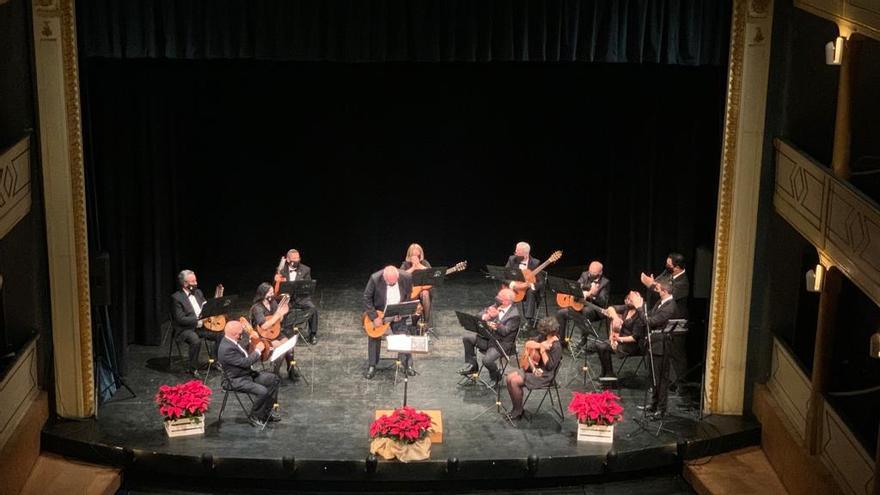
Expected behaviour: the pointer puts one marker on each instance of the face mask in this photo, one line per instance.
(294, 264)
(499, 301)
(193, 287)
(519, 259)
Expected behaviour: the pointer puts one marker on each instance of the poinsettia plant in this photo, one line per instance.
(184, 400)
(597, 408)
(405, 424)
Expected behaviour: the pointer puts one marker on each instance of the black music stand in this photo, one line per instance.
(215, 307)
(297, 289)
(404, 309)
(433, 276)
(476, 324)
(665, 334)
(505, 274)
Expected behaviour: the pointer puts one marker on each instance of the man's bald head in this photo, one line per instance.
(390, 274)
(595, 269)
(233, 329)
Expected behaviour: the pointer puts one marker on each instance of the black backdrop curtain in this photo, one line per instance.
(220, 166)
(686, 32)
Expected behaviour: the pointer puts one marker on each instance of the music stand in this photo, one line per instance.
(298, 288)
(476, 324)
(433, 276)
(215, 306)
(505, 274)
(410, 344)
(404, 309)
(664, 333)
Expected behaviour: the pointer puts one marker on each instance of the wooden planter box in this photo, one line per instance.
(595, 433)
(185, 426)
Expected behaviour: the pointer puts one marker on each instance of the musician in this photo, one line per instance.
(415, 260)
(674, 273)
(292, 269)
(387, 286)
(504, 320)
(540, 372)
(626, 337)
(522, 259)
(236, 363)
(597, 289)
(264, 314)
(655, 320)
(186, 306)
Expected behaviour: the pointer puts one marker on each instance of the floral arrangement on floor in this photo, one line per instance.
(185, 400)
(598, 408)
(402, 435)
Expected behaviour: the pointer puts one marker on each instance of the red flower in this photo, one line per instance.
(183, 400)
(404, 424)
(599, 408)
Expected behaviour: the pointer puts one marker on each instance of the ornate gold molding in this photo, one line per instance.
(725, 197)
(77, 186)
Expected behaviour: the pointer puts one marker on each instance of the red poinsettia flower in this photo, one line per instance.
(599, 408)
(183, 400)
(404, 424)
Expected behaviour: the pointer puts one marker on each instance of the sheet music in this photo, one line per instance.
(284, 348)
(407, 343)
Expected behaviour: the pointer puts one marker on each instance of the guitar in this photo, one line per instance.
(218, 322)
(372, 330)
(460, 266)
(278, 277)
(255, 338)
(532, 276)
(575, 303)
(531, 354)
(274, 331)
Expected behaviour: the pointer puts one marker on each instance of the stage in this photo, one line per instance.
(323, 437)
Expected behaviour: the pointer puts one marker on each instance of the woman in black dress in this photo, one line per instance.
(415, 260)
(539, 372)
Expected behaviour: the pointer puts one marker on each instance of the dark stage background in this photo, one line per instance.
(220, 166)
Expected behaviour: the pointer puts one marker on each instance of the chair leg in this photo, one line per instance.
(223, 405)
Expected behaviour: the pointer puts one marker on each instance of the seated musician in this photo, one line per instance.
(236, 363)
(522, 259)
(387, 286)
(626, 336)
(290, 270)
(596, 289)
(415, 260)
(543, 356)
(264, 314)
(186, 306)
(504, 320)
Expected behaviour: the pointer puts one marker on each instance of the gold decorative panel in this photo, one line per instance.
(15, 185)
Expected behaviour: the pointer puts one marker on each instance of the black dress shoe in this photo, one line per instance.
(410, 371)
(274, 418)
(515, 415)
(467, 369)
(313, 339)
(256, 423)
(371, 372)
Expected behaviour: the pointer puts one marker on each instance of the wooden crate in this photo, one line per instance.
(185, 426)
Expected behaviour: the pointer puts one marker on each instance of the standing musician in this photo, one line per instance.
(415, 260)
(663, 311)
(504, 320)
(541, 357)
(387, 286)
(597, 289)
(264, 314)
(236, 363)
(522, 259)
(289, 270)
(674, 273)
(186, 306)
(626, 336)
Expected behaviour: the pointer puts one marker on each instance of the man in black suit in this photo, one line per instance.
(186, 306)
(236, 364)
(291, 269)
(674, 273)
(627, 336)
(387, 286)
(597, 289)
(504, 319)
(522, 259)
(655, 320)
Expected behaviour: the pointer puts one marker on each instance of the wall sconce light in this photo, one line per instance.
(875, 345)
(816, 279)
(834, 51)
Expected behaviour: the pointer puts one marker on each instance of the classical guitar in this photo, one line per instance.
(278, 276)
(372, 330)
(254, 338)
(532, 276)
(274, 331)
(460, 266)
(216, 323)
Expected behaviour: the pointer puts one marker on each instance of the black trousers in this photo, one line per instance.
(623, 348)
(374, 346)
(580, 319)
(678, 356)
(530, 304)
(193, 338)
(491, 354)
(265, 387)
(311, 311)
(661, 346)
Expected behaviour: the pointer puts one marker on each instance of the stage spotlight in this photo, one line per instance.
(815, 279)
(834, 51)
(875, 345)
